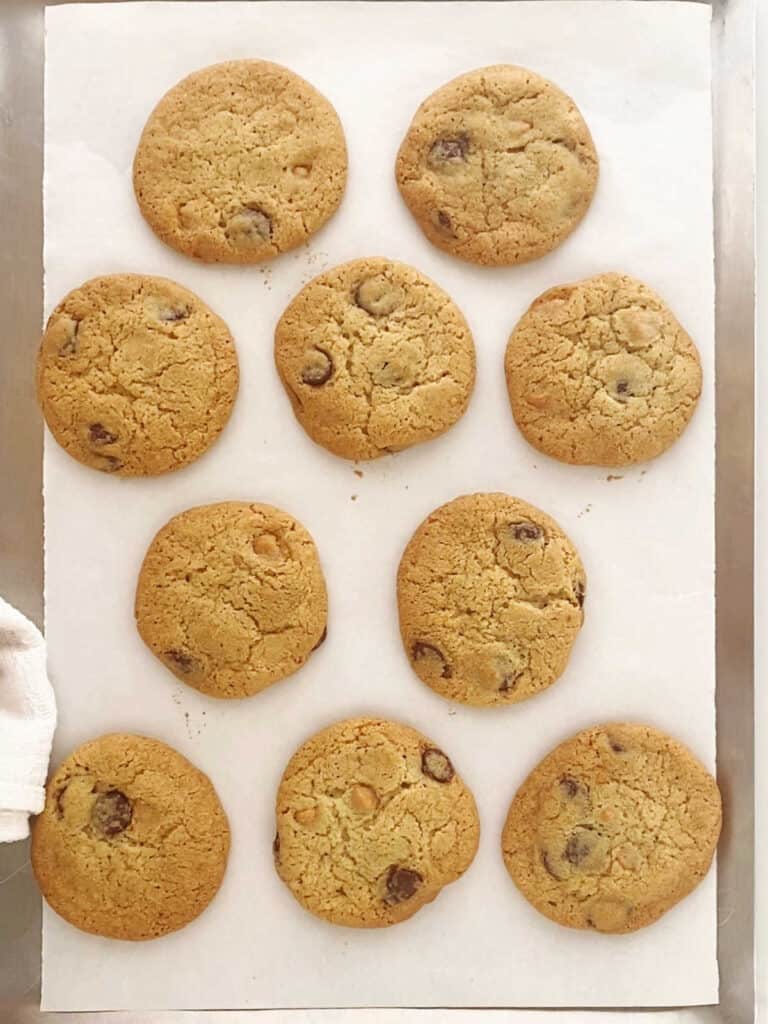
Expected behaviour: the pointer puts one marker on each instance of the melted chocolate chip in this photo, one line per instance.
(378, 296)
(111, 813)
(318, 369)
(581, 592)
(422, 651)
(109, 464)
(276, 846)
(250, 225)
(448, 151)
(570, 788)
(526, 531)
(548, 865)
(70, 346)
(402, 884)
(509, 681)
(436, 765)
(99, 434)
(171, 314)
(443, 223)
(182, 661)
(580, 844)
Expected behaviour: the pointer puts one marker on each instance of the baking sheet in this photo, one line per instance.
(640, 73)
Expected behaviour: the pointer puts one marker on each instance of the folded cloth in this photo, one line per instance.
(27, 722)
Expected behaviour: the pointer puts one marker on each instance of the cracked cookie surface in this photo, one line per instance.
(239, 162)
(490, 593)
(497, 166)
(135, 375)
(372, 822)
(601, 373)
(374, 357)
(614, 827)
(132, 842)
(231, 597)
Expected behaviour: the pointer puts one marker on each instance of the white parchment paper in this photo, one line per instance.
(640, 74)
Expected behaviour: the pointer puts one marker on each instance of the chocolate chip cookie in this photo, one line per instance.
(601, 373)
(498, 166)
(373, 821)
(614, 827)
(239, 162)
(491, 598)
(374, 357)
(132, 842)
(135, 375)
(231, 597)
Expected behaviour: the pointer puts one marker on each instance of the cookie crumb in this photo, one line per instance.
(358, 472)
(614, 476)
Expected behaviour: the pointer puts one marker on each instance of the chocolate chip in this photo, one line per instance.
(422, 651)
(581, 592)
(616, 747)
(580, 844)
(70, 346)
(402, 884)
(622, 390)
(378, 296)
(108, 464)
(171, 314)
(111, 813)
(322, 639)
(276, 847)
(547, 863)
(99, 434)
(448, 151)
(436, 765)
(249, 226)
(509, 681)
(526, 531)
(318, 369)
(570, 788)
(182, 661)
(443, 223)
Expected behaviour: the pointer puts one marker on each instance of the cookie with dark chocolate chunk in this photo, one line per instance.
(372, 822)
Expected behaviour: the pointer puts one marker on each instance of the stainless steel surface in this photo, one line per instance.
(21, 56)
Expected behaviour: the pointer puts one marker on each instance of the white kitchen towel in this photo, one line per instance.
(27, 722)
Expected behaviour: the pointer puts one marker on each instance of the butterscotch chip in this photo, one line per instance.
(231, 597)
(490, 593)
(132, 842)
(136, 376)
(497, 166)
(614, 827)
(374, 358)
(239, 162)
(366, 835)
(601, 373)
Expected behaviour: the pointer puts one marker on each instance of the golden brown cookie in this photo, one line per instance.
(372, 822)
(490, 593)
(239, 162)
(135, 375)
(132, 842)
(231, 597)
(374, 357)
(614, 827)
(601, 373)
(498, 166)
